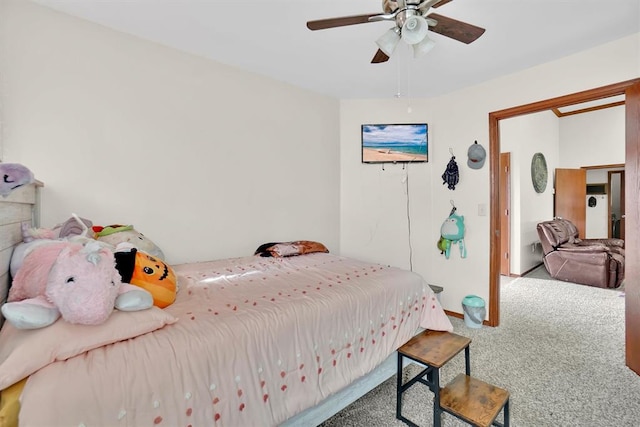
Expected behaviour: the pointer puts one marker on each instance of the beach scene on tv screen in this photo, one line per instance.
(394, 143)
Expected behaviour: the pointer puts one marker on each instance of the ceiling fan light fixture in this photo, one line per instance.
(414, 29)
(422, 48)
(389, 40)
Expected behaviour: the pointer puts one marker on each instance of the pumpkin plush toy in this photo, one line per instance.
(148, 272)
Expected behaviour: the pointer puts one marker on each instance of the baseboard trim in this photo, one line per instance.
(531, 269)
(461, 316)
(514, 276)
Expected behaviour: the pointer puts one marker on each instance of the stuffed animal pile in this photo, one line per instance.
(66, 272)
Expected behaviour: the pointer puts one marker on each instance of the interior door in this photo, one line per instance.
(570, 198)
(616, 204)
(505, 214)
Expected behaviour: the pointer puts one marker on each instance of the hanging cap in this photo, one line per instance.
(476, 155)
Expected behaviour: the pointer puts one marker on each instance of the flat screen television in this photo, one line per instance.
(395, 143)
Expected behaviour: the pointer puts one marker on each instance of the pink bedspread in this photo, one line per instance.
(257, 341)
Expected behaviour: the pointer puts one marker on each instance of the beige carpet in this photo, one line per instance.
(559, 351)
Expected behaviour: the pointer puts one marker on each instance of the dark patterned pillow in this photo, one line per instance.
(285, 249)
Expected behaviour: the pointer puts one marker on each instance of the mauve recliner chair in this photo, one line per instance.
(596, 262)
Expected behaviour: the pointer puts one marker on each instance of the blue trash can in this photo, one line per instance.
(474, 311)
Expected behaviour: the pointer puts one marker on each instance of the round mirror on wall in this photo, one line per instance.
(539, 172)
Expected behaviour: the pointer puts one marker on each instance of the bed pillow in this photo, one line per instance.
(285, 249)
(23, 351)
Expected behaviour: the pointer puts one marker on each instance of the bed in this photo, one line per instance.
(249, 341)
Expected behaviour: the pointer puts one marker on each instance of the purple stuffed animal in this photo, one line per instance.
(13, 176)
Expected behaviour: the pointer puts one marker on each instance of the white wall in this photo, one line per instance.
(373, 220)
(524, 136)
(234, 159)
(206, 160)
(593, 138)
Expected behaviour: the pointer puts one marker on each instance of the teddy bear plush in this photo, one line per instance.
(78, 282)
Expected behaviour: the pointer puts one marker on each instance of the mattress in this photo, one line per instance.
(255, 342)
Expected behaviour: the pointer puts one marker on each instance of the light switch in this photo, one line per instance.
(482, 209)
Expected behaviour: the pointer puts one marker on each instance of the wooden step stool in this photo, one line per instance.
(475, 401)
(475, 404)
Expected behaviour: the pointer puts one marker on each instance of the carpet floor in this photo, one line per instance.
(559, 351)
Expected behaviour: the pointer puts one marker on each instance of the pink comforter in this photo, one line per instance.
(257, 341)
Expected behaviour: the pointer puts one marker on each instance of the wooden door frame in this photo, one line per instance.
(631, 90)
(505, 227)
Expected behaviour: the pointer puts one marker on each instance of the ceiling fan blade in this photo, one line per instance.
(441, 3)
(322, 24)
(379, 57)
(457, 30)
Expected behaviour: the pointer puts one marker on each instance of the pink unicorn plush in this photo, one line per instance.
(76, 281)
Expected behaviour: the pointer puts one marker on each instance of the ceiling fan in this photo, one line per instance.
(412, 23)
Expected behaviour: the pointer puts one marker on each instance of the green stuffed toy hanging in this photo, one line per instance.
(452, 232)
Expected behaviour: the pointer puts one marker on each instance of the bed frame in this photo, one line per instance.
(329, 407)
(23, 205)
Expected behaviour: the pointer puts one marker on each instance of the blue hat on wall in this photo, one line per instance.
(476, 156)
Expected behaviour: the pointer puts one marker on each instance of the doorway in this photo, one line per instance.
(616, 204)
(631, 90)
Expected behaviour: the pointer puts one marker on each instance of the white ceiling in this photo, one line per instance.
(269, 37)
